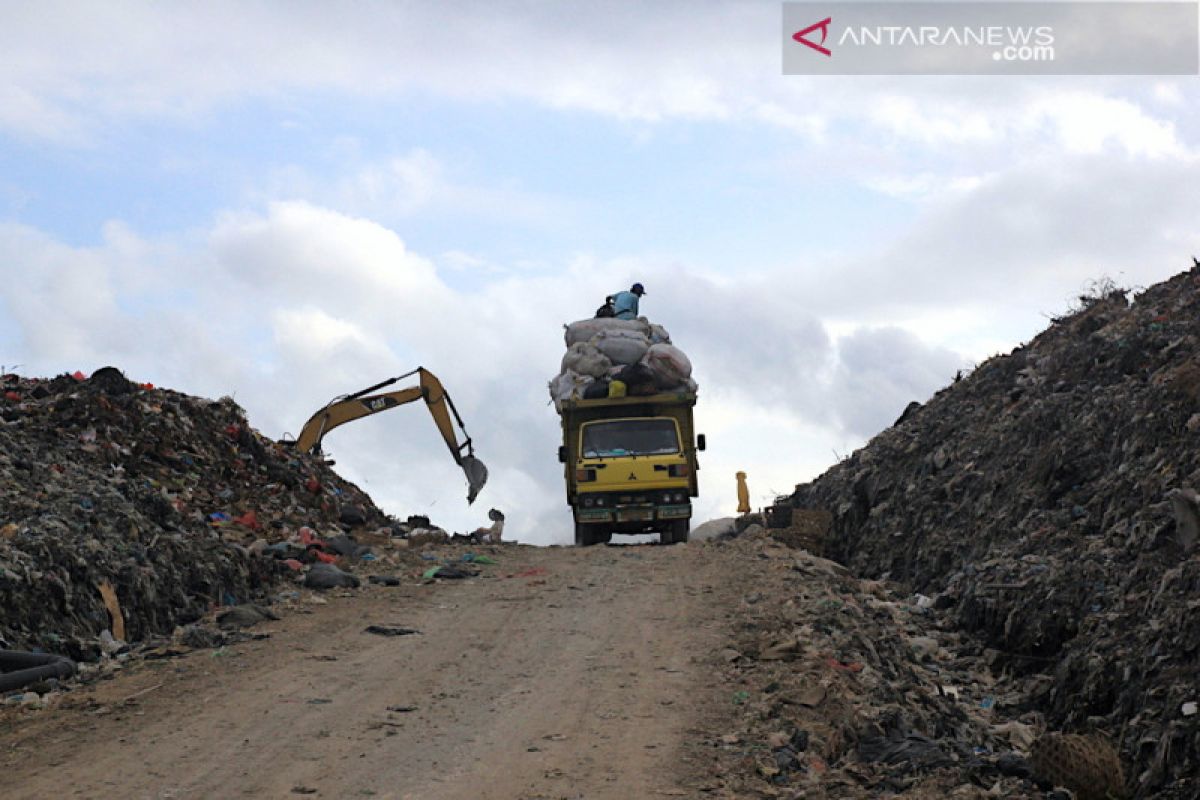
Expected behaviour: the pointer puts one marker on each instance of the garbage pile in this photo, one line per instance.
(843, 688)
(1048, 503)
(610, 357)
(127, 510)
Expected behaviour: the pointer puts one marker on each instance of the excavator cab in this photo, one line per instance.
(365, 402)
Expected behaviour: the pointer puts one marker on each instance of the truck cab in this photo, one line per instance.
(630, 466)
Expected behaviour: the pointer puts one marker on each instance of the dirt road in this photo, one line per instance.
(562, 673)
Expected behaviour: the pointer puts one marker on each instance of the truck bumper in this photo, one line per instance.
(633, 514)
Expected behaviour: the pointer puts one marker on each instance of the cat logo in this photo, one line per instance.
(631, 477)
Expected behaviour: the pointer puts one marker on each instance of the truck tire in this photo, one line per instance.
(588, 535)
(679, 531)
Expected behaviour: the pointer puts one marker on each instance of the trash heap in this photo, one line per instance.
(126, 510)
(843, 688)
(1048, 503)
(609, 357)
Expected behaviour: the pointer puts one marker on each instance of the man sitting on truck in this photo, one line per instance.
(626, 303)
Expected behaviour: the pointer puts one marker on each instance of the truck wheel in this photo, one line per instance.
(588, 535)
(679, 530)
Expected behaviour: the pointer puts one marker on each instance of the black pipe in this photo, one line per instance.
(18, 669)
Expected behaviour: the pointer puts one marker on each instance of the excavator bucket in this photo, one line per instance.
(477, 475)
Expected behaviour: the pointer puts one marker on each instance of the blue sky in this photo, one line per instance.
(587, 183)
(284, 202)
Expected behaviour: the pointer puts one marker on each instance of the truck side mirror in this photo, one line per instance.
(700, 442)
(562, 454)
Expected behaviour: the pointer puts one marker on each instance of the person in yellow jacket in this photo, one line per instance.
(743, 493)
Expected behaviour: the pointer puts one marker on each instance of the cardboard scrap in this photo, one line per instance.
(114, 609)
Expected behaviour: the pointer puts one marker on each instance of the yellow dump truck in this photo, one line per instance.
(630, 465)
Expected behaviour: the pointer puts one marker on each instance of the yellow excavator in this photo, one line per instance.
(350, 407)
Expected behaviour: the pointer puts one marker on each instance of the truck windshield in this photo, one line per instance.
(630, 437)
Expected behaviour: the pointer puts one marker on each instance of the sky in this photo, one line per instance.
(285, 202)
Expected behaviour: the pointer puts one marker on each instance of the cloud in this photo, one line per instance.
(1090, 124)
(399, 187)
(993, 261)
(634, 62)
(403, 184)
(67, 296)
(882, 370)
(301, 253)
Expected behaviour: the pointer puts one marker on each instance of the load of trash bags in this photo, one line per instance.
(609, 357)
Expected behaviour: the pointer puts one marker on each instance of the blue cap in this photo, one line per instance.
(638, 289)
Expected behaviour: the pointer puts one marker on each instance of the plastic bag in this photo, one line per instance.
(622, 347)
(585, 359)
(568, 386)
(596, 390)
(671, 366)
(587, 329)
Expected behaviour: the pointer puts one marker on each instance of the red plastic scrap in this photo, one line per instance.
(249, 520)
(79, 376)
(233, 430)
(293, 564)
(323, 556)
(14, 396)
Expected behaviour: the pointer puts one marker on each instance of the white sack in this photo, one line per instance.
(586, 329)
(622, 347)
(585, 359)
(669, 363)
(568, 386)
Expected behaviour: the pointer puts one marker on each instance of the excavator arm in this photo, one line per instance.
(348, 408)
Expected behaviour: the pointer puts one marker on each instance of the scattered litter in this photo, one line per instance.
(390, 630)
(445, 571)
(244, 616)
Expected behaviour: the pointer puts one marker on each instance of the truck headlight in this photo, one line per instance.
(588, 502)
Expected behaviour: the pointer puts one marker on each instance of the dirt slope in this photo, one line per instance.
(583, 677)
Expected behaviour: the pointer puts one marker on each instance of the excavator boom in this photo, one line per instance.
(369, 401)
